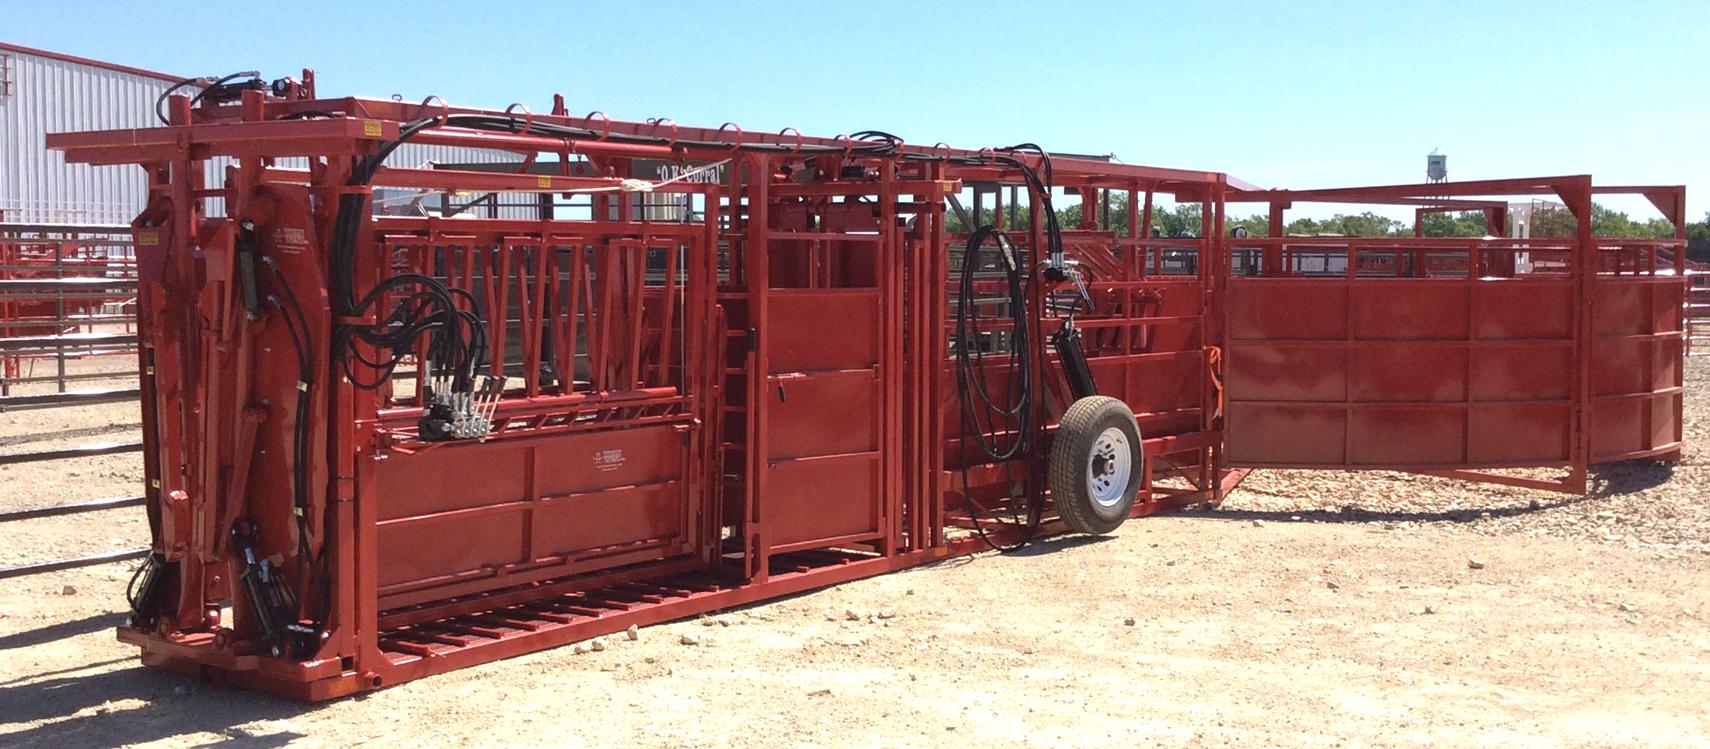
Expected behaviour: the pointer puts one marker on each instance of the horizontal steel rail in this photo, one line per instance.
(69, 340)
(76, 376)
(121, 233)
(81, 451)
(72, 563)
(74, 398)
(55, 284)
(71, 508)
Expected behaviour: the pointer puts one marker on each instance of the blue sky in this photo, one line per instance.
(1297, 94)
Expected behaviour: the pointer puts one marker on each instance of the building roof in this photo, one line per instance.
(20, 49)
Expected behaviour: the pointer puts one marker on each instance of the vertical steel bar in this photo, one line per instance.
(668, 311)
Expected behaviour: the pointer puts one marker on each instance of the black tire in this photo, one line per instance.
(1072, 466)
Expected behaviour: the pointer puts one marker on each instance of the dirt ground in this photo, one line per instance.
(1312, 609)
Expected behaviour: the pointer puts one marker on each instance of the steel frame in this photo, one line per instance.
(1623, 338)
(55, 281)
(766, 409)
(1697, 308)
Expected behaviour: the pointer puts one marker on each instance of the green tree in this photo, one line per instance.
(1181, 221)
(1463, 224)
(1365, 224)
(1550, 221)
(1699, 230)
(1256, 225)
(1605, 222)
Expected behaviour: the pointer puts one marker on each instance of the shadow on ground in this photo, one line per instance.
(114, 701)
(171, 706)
(1611, 480)
(43, 635)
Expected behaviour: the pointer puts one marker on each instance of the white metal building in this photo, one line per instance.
(45, 92)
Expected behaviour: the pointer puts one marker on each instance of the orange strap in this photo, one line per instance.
(1214, 361)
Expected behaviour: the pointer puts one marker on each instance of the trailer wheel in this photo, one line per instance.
(1096, 464)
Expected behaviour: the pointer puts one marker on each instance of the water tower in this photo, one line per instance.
(1437, 166)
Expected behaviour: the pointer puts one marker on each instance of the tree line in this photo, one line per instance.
(1185, 220)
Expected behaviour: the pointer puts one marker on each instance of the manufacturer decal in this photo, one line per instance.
(608, 460)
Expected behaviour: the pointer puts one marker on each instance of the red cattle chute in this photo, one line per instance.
(398, 445)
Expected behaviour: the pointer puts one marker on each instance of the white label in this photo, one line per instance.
(710, 176)
(290, 239)
(608, 460)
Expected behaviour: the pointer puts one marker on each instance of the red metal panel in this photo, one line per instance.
(823, 330)
(824, 414)
(1665, 420)
(1405, 436)
(1287, 310)
(582, 523)
(1632, 375)
(1519, 434)
(1263, 371)
(1164, 390)
(1622, 306)
(1387, 372)
(1528, 308)
(441, 481)
(819, 498)
(1406, 309)
(438, 548)
(1636, 367)
(1406, 373)
(1522, 371)
(599, 460)
(1286, 434)
(550, 500)
(1618, 427)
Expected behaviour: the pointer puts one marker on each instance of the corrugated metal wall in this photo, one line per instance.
(48, 95)
(51, 96)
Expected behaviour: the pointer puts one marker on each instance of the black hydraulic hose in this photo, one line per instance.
(1016, 414)
(984, 418)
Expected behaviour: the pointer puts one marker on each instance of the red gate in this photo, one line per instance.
(1454, 355)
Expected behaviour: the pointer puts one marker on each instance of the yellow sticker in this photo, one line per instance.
(544, 180)
(148, 238)
(371, 128)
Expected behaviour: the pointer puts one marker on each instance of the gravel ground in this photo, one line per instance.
(1312, 609)
(57, 482)
(1652, 507)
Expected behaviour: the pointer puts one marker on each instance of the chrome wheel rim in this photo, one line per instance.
(1109, 467)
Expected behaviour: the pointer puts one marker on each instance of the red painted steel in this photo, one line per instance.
(66, 292)
(1485, 353)
(754, 395)
(1697, 317)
